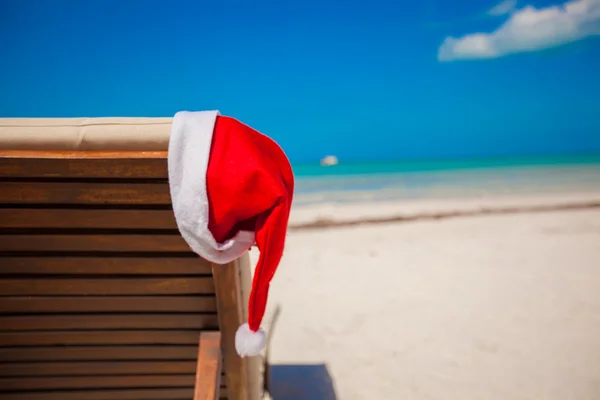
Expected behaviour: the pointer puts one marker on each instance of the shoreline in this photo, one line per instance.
(323, 223)
(331, 215)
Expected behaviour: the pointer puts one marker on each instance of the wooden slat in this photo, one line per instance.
(118, 243)
(99, 353)
(119, 321)
(105, 287)
(104, 266)
(83, 193)
(120, 394)
(105, 304)
(87, 219)
(123, 394)
(121, 337)
(97, 368)
(208, 372)
(83, 164)
(96, 382)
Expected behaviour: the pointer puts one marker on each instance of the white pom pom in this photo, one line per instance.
(249, 343)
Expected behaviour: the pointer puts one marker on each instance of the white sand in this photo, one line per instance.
(488, 307)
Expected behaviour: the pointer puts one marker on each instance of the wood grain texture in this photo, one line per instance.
(98, 368)
(121, 394)
(107, 322)
(86, 219)
(83, 164)
(97, 382)
(117, 337)
(99, 353)
(104, 266)
(208, 371)
(83, 193)
(106, 287)
(91, 243)
(107, 304)
(94, 305)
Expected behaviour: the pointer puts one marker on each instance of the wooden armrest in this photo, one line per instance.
(208, 370)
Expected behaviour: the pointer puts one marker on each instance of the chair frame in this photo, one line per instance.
(216, 349)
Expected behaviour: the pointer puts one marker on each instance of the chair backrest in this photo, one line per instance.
(100, 297)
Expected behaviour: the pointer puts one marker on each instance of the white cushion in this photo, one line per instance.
(92, 134)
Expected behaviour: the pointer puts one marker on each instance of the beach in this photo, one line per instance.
(432, 297)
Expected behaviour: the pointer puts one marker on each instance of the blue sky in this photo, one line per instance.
(362, 80)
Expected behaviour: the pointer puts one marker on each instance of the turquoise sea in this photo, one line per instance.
(352, 182)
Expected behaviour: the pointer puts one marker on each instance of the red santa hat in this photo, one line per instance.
(231, 189)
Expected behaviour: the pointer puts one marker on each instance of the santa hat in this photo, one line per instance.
(231, 189)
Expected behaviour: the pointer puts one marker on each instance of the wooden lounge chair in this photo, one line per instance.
(100, 297)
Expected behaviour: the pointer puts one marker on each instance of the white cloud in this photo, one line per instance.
(502, 8)
(528, 29)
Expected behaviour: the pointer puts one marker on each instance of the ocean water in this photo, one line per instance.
(357, 182)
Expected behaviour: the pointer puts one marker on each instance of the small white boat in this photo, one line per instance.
(329, 161)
